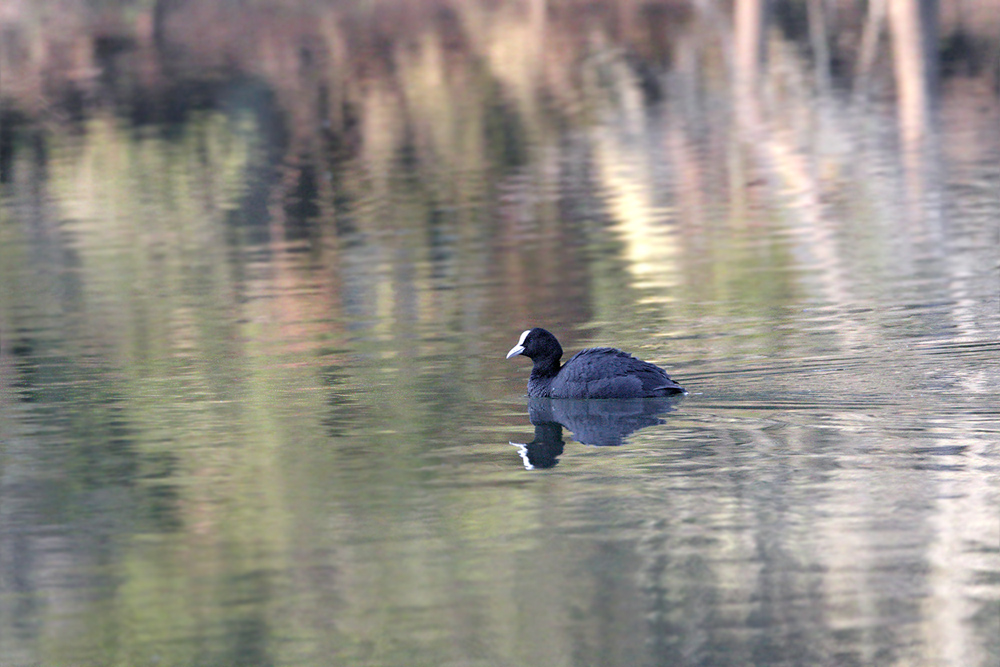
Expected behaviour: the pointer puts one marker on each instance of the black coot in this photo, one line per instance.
(600, 372)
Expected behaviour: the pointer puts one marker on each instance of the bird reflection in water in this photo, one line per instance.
(602, 423)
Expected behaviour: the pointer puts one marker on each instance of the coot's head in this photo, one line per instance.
(537, 343)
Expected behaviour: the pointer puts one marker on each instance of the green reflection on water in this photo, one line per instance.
(255, 409)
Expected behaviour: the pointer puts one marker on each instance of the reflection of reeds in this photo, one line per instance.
(376, 197)
(436, 132)
(433, 135)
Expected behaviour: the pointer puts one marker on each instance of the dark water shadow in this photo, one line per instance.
(601, 423)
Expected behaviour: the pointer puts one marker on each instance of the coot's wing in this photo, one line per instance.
(604, 372)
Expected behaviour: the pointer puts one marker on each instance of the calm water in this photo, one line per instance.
(258, 277)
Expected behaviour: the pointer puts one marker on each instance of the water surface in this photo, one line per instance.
(254, 304)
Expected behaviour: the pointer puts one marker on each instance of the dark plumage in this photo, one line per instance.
(600, 372)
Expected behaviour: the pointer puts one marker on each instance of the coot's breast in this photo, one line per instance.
(604, 372)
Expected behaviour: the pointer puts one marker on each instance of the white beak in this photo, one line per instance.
(514, 351)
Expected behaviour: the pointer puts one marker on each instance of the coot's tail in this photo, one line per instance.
(671, 389)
